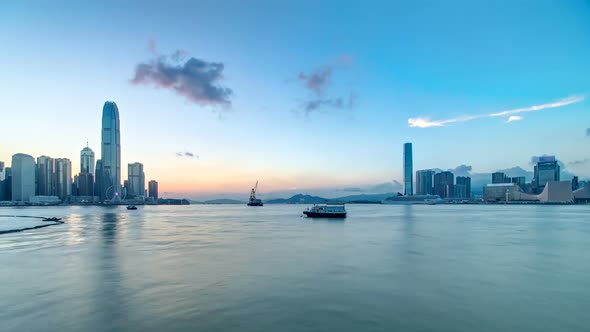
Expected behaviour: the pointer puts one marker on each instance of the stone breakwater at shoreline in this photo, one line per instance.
(16, 223)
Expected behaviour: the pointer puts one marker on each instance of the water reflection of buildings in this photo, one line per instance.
(109, 296)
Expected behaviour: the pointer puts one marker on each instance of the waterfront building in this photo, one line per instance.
(136, 179)
(520, 181)
(98, 180)
(413, 200)
(153, 189)
(408, 188)
(6, 185)
(1, 170)
(463, 187)
(444, 184)
(45, 176)
(110, 187)
(425, 182)
(63, 178)
(496, 192)
(87, 161)
(23, 177)
(84, 184)
(575, 183)
(45, 199)
(499, 177)
(553, 192)
(547, 169)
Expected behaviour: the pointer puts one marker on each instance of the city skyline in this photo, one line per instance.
(479, 96)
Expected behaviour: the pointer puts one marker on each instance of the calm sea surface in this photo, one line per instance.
(235, 268)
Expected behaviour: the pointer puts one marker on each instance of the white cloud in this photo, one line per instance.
(513, 118)
(426, 122)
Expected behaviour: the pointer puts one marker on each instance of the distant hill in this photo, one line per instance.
(308, 199)
(364, 197)
(298, 199)
(219, 201)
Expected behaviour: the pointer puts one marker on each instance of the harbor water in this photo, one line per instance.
(238, 268)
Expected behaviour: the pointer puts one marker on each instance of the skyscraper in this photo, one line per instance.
(6, 185)
(463, 187)
(520, 181)
(408, 170)
(153, 189)
(499, 177)
(110, 152)
(63, 178)
(547, 169)
(45, 176)
(1, 170)
(443, 184)
(87, 161)
(23, 177)
(136, 180)
(84, 182)
(98, 180)
(424, 182)
(575, 183)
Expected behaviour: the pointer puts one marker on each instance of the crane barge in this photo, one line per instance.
(253, 200)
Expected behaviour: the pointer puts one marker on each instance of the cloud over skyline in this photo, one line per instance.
(318, 81)
(579, 162)
(338, 103)
(195, 79)
(513, 118)
(186, 154)
(422, 122)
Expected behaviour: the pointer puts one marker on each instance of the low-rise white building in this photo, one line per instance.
(554, 192)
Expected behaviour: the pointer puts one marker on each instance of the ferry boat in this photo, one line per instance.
(253, 200)
(131, 207)
(329, 210)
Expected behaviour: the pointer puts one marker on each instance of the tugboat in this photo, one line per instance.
(329, 210)
(253, 200)
(131, 207)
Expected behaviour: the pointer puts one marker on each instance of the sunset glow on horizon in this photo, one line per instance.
(321, 104)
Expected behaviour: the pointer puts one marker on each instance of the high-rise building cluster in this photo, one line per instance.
(49, 180)
(545, 185)
(444, 184)
(429, 182)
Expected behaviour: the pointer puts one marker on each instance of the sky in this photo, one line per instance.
(303, 96)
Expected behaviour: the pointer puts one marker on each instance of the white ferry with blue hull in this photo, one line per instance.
(329, 210)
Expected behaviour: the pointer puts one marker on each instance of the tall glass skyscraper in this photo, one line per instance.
(63, 178)
(547, 169)
(45, 176)
(153, 189)
(425, 182)
(98, 180)
(444, 184)
(23, 177)
(408, 170)
(87, 161)
(135, 179)
(110, 153)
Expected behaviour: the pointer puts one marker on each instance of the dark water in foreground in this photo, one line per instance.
(234, 268)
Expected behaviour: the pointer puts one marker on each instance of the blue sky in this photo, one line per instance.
(387, 62)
